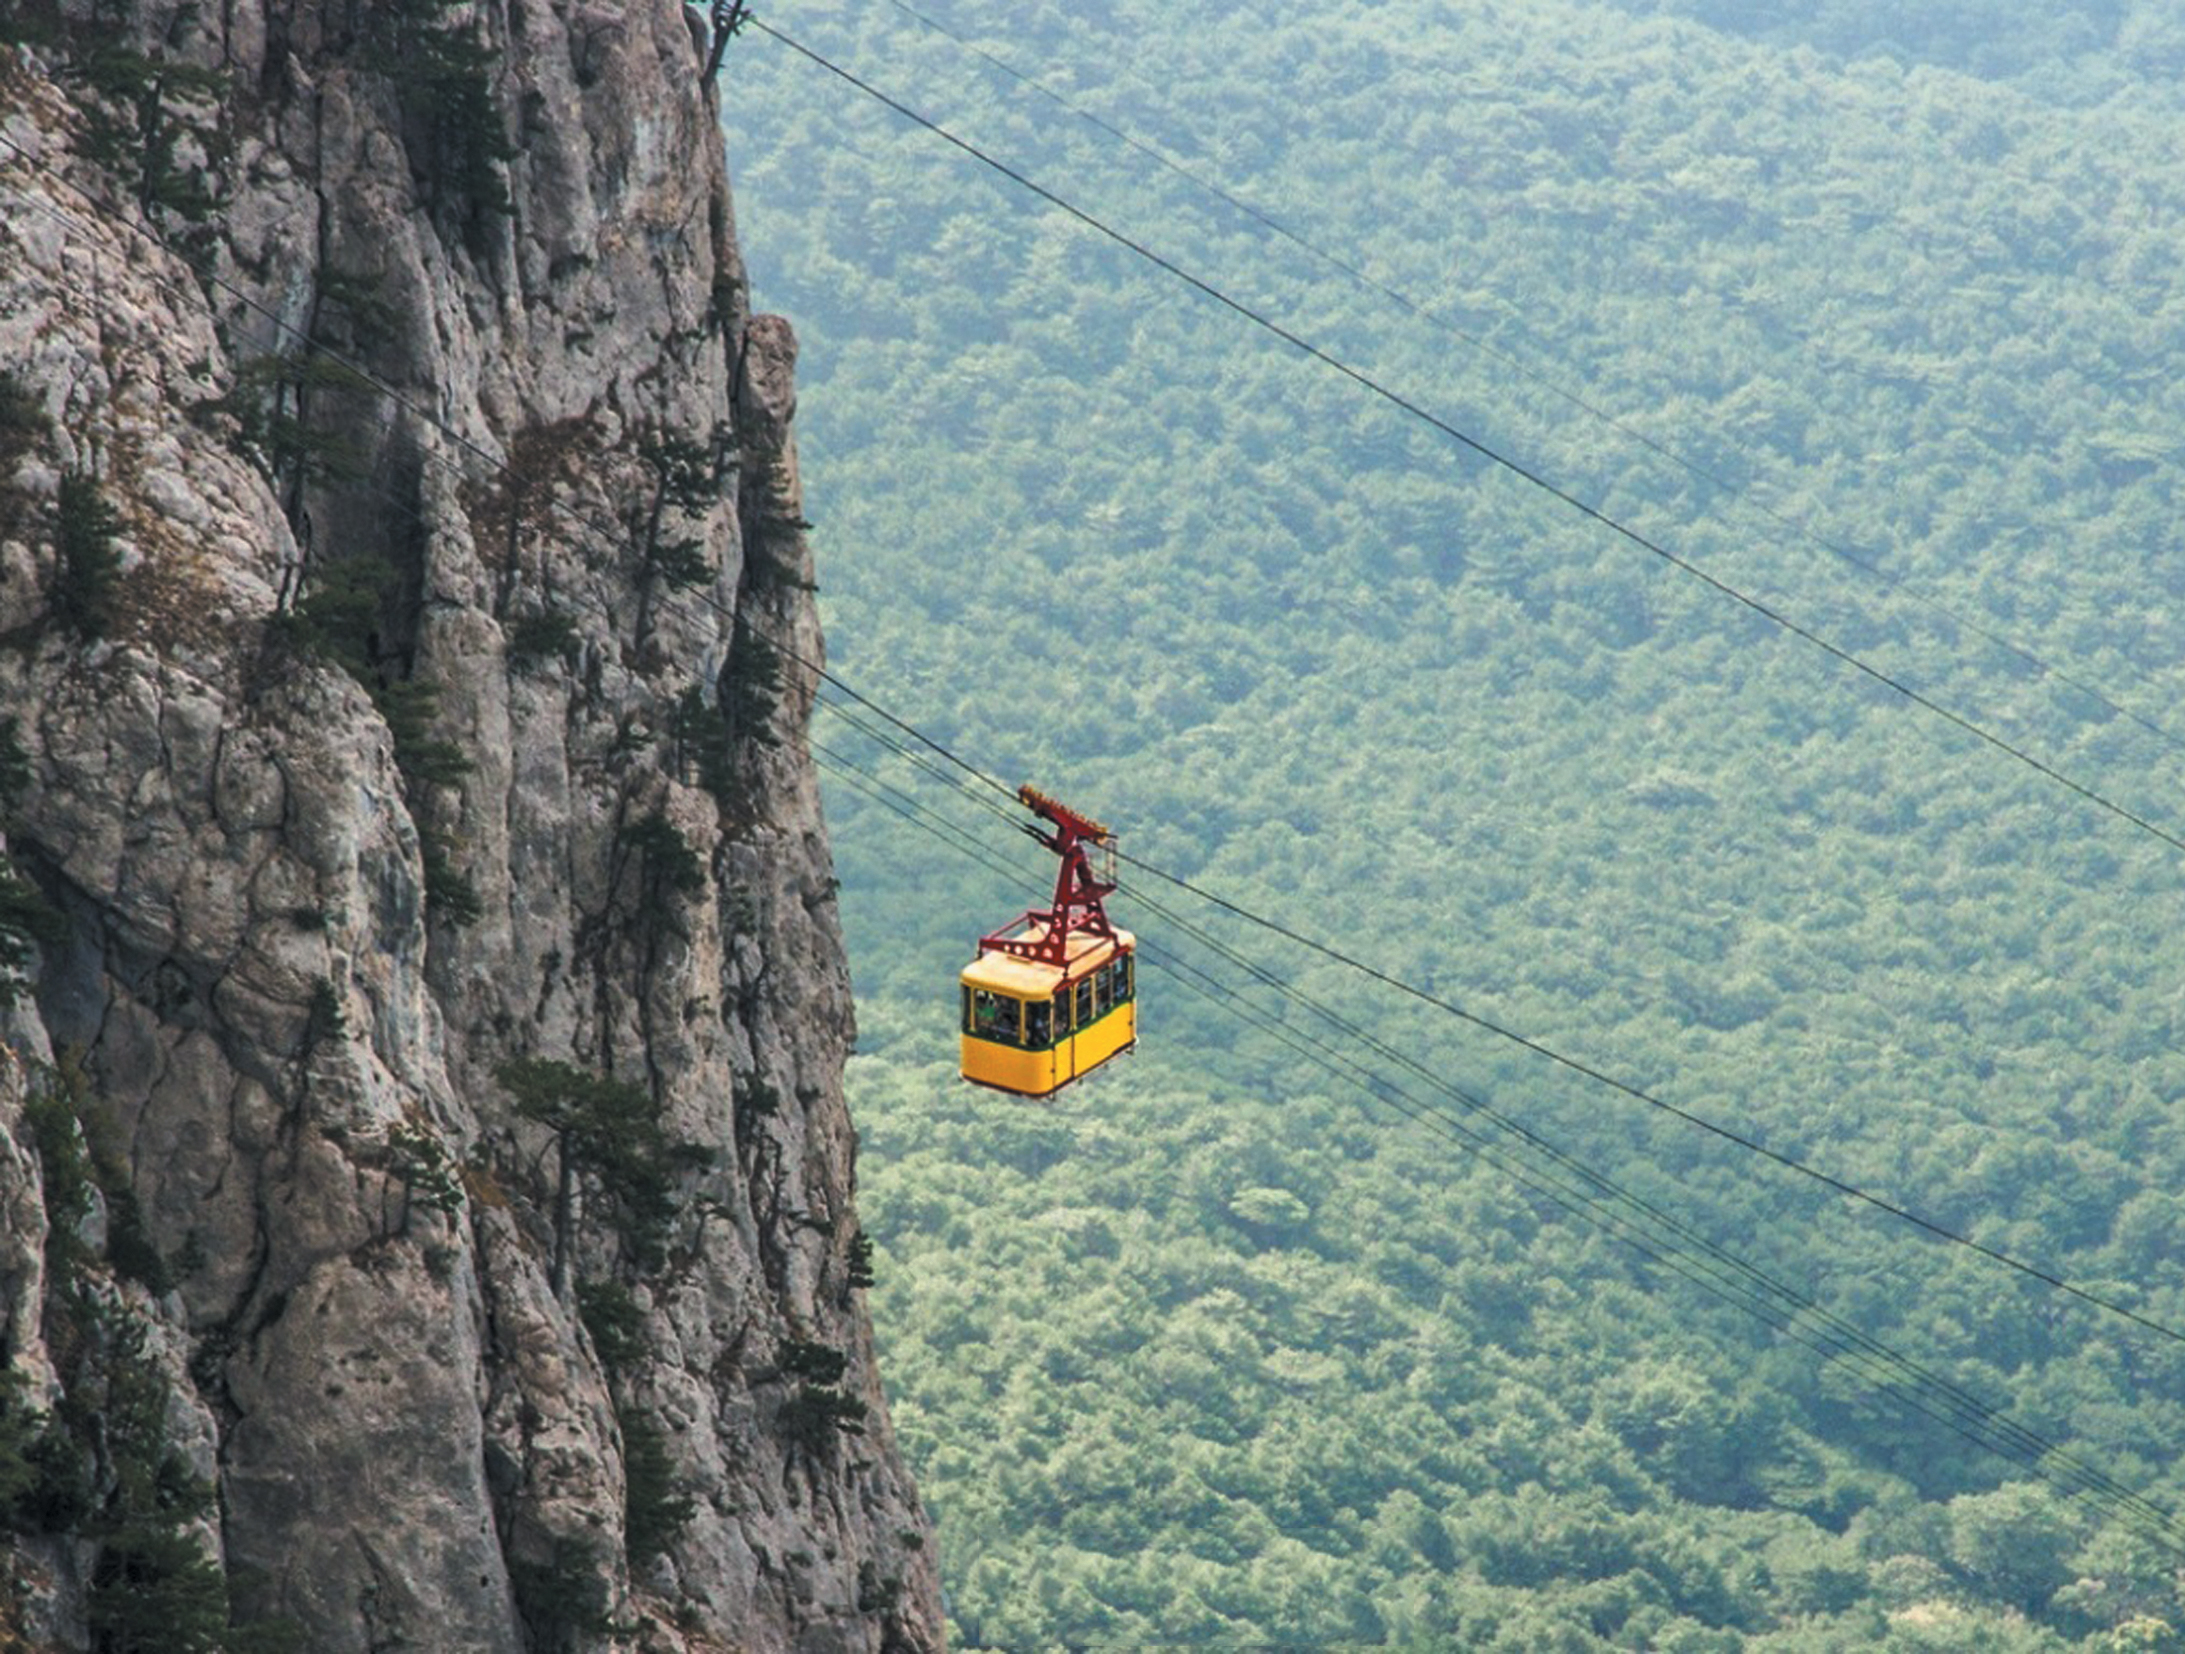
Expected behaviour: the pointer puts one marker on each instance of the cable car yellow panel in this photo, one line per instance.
(1031, 1028)
(1051, 1001)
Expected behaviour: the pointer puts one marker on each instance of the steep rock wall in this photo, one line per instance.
(407, 626)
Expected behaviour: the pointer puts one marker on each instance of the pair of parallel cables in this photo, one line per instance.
(1362, 1061)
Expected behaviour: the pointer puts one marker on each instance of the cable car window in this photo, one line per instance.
(1038, 1024)
(1084, 1002)
(994, 1017)
(1123, 984)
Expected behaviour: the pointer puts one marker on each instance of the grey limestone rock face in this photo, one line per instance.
(434, 702)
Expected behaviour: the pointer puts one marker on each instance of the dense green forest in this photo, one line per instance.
(1871, 311)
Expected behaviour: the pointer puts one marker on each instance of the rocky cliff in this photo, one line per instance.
(426, 1209)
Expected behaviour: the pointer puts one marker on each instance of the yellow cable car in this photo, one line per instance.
(1052, 997)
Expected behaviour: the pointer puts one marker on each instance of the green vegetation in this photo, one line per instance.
(154, 1590)
(614, 1323)
(155, 125)
(725, 19)
(607, 1139)
(22, 422)
(428, 1177)
(750, 689)
(129, 1246)
(271, 405)
(816, 1416)
(444, 74)
(704, 745)
(617, 1167)
(705, 733)
(669, 870)
(31, 23)
(83, 1167)
(26, 917)
(87, 562)
(324, 1019)
(338, 616)
(410, 708)
(340, 619)
(536, 639)
(686, 483)
(564, 1597)
(858, 1276)
(358, 300)
(654, 1507)
(52, 1106)
(817, 1412)
(821, 1363)
(100, 1467)
(1217, 1348)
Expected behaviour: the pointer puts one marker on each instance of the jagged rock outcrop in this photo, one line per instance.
(406, 620)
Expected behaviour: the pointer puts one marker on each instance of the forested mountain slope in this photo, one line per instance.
(1221, 1347)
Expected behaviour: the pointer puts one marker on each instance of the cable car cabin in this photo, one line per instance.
(1052, 997)
(1032, 1028)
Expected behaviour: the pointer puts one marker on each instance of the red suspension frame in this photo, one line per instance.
(1078, 894)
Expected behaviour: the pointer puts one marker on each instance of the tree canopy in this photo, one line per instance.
(1871, 314)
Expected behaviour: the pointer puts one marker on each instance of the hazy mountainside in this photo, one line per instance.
(1222, 1346)
(2074, 53)
(426, 1212)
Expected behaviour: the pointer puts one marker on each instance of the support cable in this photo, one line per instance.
(1406, 405)
(1600, 1076)
(968, 769)
(1717, 1272)
(1652, 1232)
(1349, 961)
(2089, 794)
(1434, 318)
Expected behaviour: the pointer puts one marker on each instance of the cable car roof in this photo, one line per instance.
(1006, 973)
